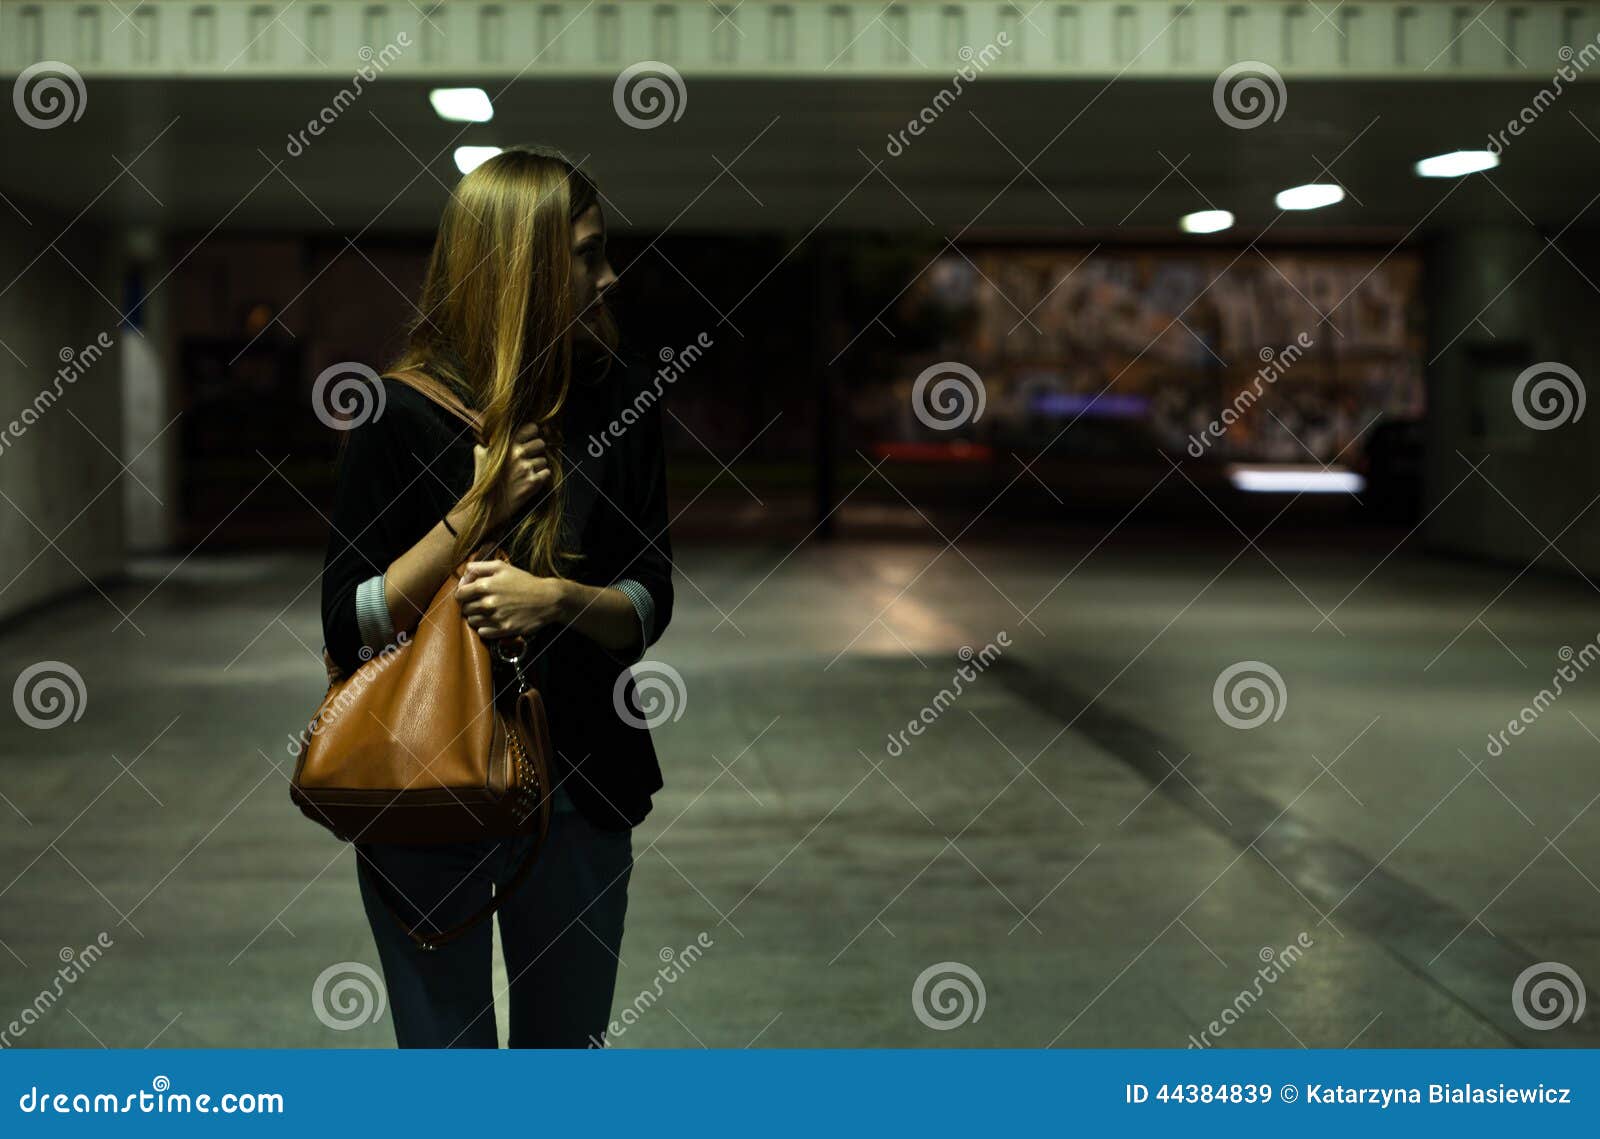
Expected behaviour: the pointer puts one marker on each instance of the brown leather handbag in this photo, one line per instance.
(423, 743)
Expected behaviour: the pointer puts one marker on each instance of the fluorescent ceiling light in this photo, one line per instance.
(461, 104)
(1312, 196)
(1295, 480)
(469, 158)
(1206, 221)
(1457, 163)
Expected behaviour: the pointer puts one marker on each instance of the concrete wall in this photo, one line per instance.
(1500, 302)
(151, 433)
(61, 513)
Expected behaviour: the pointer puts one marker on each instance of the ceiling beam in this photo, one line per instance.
(507, 39)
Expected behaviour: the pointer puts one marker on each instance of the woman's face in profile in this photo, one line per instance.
(591, 271)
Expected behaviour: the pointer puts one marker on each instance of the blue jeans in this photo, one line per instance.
(560, 930)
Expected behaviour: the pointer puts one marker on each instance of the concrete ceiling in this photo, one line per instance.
(1127, 158)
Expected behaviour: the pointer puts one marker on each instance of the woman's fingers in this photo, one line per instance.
(528, 481)
(527, 470)
(474, 579)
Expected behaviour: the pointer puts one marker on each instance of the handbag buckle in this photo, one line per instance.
(502, 648)
(512, 650)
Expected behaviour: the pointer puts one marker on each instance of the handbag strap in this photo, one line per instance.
(441, 394)
(444, 937)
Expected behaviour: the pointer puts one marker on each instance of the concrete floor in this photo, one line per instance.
(1079, 828)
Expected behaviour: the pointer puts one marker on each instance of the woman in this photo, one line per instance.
(513, 319)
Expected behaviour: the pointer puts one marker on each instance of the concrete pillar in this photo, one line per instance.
(1502, 305)
(150, 436)
(60, 409)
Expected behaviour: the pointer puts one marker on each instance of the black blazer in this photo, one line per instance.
(402, 470)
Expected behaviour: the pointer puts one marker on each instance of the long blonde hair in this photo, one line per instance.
(496, 324)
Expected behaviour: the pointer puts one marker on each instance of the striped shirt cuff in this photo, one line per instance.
(645, 606)
(372, 615)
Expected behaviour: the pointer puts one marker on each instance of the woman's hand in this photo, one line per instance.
(500, 600)
(526, 472)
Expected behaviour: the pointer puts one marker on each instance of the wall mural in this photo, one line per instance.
(1101, 352)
